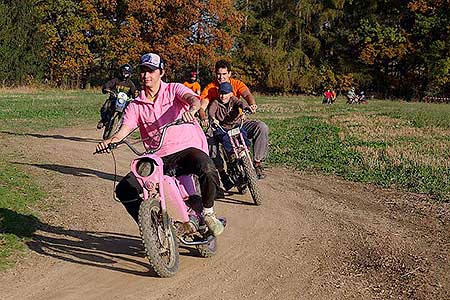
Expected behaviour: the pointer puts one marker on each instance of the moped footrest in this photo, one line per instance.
(195, 243)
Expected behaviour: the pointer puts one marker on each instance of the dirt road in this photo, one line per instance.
(314, 237)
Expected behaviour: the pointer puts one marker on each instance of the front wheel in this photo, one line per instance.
(160, 244)
(252, 180)
(113, 125)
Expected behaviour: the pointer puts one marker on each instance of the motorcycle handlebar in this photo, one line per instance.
(111, 146)
(247, 111)
(110, 92)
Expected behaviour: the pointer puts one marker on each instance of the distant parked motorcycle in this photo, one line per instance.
(353, 98)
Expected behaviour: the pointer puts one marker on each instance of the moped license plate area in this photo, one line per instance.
(234, 131)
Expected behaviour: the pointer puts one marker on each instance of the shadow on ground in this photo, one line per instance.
(227, 199)
(75, 171)
(53, 136)
(107, 250)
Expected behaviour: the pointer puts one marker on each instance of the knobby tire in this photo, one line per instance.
(162, 255)
(252, 179)
(114, 126)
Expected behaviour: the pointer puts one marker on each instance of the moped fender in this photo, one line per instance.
(176, 207)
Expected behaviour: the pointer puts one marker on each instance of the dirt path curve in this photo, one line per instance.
(313, 238)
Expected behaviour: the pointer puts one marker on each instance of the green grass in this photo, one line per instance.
(418, 114)
(47, 109)
(391, 144)
(28, 112)
(307, 143)
(17, 223)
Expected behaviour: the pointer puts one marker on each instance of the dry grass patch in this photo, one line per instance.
(376, 128)
(400, 141)
(281, 109)
(399, 154)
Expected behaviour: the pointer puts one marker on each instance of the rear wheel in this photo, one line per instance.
(252, 180)
(160, 245)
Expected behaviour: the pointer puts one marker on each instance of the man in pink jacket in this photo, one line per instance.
(185, 149)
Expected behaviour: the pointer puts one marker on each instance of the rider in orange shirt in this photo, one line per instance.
(192, 83)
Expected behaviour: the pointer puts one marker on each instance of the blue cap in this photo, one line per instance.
(225, 88)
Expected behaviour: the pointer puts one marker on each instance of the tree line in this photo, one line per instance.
(391, 48)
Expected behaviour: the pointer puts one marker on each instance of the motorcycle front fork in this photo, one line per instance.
(235, 172)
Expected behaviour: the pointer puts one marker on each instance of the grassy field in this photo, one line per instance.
(391, 144)
(17, 223)
(38, 110)
(28, 111)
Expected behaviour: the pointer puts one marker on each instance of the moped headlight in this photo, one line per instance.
(145, 166)
(122, 97)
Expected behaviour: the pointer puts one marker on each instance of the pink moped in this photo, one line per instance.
(171, 211)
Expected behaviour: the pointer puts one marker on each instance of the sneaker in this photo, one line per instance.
(214, 224)
(260, 174)
(226, 181)
(100, 124)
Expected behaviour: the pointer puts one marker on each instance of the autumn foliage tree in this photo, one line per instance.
(390, 48)
(87, 37)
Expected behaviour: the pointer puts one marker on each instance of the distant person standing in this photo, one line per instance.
(327, 97)
(351, 96)
(333, 97)
(192, 83)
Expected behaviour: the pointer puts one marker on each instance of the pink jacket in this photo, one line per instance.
(168, 106)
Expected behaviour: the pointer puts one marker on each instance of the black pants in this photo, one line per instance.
(185, 162)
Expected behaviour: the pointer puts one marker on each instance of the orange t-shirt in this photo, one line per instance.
(211, 91)
(195, 86)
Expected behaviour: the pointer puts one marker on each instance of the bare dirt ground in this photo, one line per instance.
(314, 237)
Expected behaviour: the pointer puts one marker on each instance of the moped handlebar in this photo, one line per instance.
(112, 146)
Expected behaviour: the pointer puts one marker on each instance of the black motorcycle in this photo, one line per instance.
(239, 163)
(119, 102)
